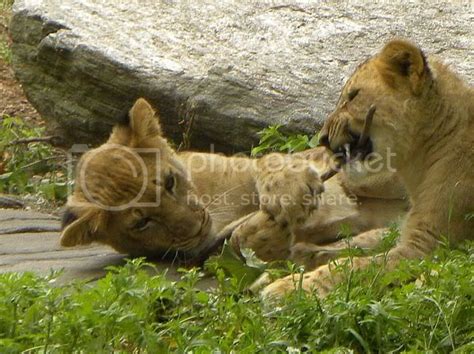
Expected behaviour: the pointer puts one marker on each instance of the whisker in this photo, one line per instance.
(214, 216)
(220, 196)
(166, 253)
(221, 217)
(222, 209)
(175, 257)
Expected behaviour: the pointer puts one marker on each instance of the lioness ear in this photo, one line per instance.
(81, 230)
(400, 63)
(144, 123)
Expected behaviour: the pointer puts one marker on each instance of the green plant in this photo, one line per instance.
(6, 4)
(272, 139)
(29, 167)
(5, 51)
(422, 306)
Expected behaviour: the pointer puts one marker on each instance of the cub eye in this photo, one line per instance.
(170, 182)
(352, 94)
(142, 224)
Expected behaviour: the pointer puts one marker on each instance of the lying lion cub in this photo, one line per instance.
(136, 194)
(424, 115)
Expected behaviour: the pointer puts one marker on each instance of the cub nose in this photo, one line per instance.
(324, 140)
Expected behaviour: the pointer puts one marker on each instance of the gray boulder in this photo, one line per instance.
(235, 67)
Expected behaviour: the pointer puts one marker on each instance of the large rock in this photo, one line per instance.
(235, 66)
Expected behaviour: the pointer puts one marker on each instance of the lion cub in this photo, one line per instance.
(136, 194)
(424, 118)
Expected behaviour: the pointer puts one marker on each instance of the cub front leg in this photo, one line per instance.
(415, 243)
(321, 280)
(312, 256)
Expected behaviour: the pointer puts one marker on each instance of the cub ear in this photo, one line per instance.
(81, 230)
(401, 63)
(144, 123)
(137, 126)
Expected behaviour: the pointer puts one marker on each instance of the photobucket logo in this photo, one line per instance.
(101, 171)
(372, 163)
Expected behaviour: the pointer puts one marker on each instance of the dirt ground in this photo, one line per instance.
(14, 103)
(12, 99)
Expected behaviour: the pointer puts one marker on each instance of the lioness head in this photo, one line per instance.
(133, 194)
(394, 87)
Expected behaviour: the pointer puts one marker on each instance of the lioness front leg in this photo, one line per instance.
(311, 256)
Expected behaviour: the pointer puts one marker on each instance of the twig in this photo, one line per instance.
(53, 140)
(186, 143)
(330, 173)
(364, 137)
(39, 161)
(187, 133)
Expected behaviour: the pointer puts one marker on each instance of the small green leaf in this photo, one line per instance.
(245, 271)
(202, 297)
(6, 176)
(314, 141)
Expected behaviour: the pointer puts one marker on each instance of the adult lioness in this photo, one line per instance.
(136, 194)
(425, 117)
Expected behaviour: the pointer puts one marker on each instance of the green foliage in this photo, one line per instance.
(239, 272)
(32, 167)
(423, 306)
(6, 4)
(244, 271)
(5, 51)
(272, 139)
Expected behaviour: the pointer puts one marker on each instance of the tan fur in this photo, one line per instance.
(244, 197)
(425, 115)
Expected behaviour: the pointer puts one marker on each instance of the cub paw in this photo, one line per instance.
(280, 288)
(319, 281)
(288, 187)
(269, 238)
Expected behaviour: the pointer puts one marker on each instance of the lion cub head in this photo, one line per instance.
(395, 87)
(133, 194)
